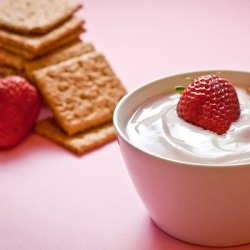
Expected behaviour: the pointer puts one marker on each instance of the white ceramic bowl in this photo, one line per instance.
(201, 204)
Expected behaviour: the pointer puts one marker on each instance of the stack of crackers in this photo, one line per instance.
(30, 30)
(39, 40)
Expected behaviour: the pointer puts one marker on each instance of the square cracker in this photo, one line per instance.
(81, 92)
(80, 142)
(12, 61)
(66, 52)
(30, 56)
(40, 44)
(34, 16)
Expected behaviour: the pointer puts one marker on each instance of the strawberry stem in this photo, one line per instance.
(179, 89)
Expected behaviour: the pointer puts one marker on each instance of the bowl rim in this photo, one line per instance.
(121, 133)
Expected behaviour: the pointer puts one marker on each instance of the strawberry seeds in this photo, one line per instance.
(209, 102)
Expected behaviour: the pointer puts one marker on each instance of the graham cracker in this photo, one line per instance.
(30, 56)
(81, 92)
(80, 142)
(32, 46)
(11, 60)
(35, 17)
(72, 50)
(67, 51)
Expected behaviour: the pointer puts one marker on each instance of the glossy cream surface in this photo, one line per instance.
(156, 128)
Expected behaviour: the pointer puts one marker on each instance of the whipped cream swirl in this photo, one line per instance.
(156, 128)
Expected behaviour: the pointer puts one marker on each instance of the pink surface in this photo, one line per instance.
(52, 199)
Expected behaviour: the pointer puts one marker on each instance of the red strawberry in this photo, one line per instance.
(209, 102)
(20, 104)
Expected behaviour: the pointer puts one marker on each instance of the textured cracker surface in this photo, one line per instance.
(35, 45)
(35, 16)
(81, 92)
(79, 143)
(66, 52)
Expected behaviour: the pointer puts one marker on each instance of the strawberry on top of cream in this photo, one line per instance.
(156, 128)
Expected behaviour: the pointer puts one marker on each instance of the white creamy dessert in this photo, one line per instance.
(156, 128)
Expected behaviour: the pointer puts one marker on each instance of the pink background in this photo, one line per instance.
(52, 199)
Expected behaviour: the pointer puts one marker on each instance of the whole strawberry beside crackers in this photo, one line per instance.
(209, 102)
(20, 104)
